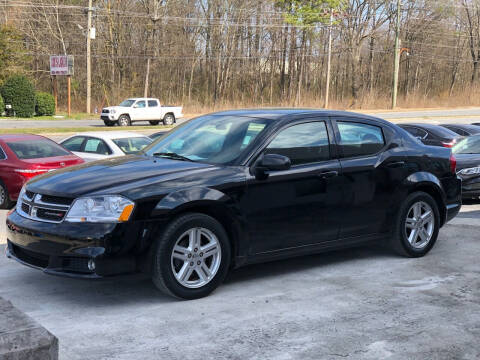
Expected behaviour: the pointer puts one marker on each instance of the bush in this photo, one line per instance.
(2, 106)
(45, 104)
(19, 92)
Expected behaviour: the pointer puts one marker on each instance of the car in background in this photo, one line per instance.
(433, 135)
(463, 129)
(234, 188)
(92, 146)
(467, 153)
(23, 157)
(141, 109)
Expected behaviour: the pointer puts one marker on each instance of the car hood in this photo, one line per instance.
(98, 176)
(467, 160)
(116, 107)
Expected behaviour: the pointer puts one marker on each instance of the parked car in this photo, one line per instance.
(433, 135)
(467, 153)
(234, 188)
(23, 157)
(94, 145)
(463, 129)
(141, 109)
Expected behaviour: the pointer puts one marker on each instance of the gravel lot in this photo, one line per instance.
(362, 303)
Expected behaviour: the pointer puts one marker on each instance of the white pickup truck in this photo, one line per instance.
(140, 109)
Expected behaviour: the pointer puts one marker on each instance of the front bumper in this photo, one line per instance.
(69, 249)
(108, 117)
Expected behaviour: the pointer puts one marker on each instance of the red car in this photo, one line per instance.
(24, 156)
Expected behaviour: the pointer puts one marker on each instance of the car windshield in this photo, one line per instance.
(469, 145)
(132, 145)
(36, 149)
(213, 139)
(127, 103)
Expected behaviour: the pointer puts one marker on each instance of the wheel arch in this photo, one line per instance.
(430, 184)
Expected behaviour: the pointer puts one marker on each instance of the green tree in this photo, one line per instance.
(12, 53)
(309, 12)
(2, 105)
(19, 92)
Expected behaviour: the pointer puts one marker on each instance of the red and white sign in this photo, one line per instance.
(61, 65)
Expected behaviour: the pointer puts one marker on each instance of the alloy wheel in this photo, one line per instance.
(419, 224)
(196, 257)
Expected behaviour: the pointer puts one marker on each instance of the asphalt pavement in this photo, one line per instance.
(363, 303)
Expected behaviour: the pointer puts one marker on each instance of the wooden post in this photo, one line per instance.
(55, 92)
(68, 94)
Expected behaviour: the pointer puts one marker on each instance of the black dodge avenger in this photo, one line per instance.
(235, 188)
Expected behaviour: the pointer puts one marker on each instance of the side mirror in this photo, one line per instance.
(271, 162)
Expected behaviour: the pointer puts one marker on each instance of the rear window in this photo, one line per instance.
(442, 132)
(132, 145)
(36, 149)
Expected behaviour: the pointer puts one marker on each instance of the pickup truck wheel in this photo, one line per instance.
(169, 119)
(5, 202)
(109, 123)
(124, 120)
(417, 225)
(191, 257)
(155, 122)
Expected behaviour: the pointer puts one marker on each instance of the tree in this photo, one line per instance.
(19, 92)
(12, 53)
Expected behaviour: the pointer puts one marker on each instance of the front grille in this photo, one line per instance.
(26, 208)
(30, 257)
(75, 264)
(45, 208)
(105, 111)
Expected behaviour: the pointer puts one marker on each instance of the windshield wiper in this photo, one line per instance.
(172, 155)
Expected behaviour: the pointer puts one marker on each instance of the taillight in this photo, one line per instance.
(448, 144)
(30, 173)
(453, 164)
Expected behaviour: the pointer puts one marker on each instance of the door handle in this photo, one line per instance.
(328, 174)
(396, 164)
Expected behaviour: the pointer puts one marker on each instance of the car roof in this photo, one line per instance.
(464, 126)
(141, 98)
(21, 137)
(283, 113)
(110, 134)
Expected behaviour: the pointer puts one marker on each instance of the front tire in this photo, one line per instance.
(191, 257)
(5, 202)
(169, 119)
(124, 120)
(417, 225)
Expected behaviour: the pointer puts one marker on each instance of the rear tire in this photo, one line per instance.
(416, 226)
(5, 202)
(154, 122)
(200, 261)
(124, 120)
(169, 119)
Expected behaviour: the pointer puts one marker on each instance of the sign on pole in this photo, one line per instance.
(61, 65)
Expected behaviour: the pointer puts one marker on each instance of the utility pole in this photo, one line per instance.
(329, 60)
(145, 92)
(89, 65)
(397, 57)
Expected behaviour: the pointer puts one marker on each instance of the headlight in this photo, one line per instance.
(100, 209)
(112, 111)
(20, 198)
(470, 171)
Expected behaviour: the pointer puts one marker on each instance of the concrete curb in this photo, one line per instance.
(22, 338)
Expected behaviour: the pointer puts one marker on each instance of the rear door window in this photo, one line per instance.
(96, 146)
(359, 139)
(152, 103)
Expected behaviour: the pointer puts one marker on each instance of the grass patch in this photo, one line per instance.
(62, 130)
(64, 116)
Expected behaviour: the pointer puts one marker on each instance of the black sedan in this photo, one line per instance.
(467, 153)
(463, 129)
(234, 188)
(433, 135)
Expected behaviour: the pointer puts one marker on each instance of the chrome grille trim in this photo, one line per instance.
(35, 204)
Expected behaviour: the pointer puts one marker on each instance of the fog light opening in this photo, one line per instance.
(91, 265)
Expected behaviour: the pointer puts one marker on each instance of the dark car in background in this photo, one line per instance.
(433, 135)
(235, 188)
(463, 129)
(467, 153)
(23, 157)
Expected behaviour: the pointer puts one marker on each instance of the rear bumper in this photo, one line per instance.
(73, 250)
